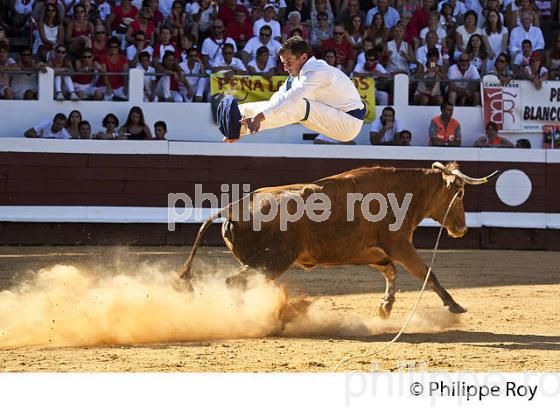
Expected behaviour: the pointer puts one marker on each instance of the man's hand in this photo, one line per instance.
(254, 123)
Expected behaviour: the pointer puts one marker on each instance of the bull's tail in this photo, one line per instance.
(184, 272)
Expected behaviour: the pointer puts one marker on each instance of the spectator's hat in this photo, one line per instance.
(294, 13)
(268, 6)
(536, 55)
(229, 117)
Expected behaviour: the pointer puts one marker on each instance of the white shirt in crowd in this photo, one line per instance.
(44, 130)
(391, 17)
(422, 55)
(360, 68)
(148, 79)
(254, 44)
(213, 48)
(518, 34)
(269, 66)
(440, 32)
(455, 74)
(273, 24)
(396, 61)
(235, 63)
(377, 125)
(459, 9)
(131, 52)
(165, 7)
(319, 82)
(197, 69)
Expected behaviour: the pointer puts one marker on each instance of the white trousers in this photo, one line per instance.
(164, 92)
(321, 118)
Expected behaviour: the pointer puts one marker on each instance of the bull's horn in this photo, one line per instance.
(440, 166)
(473, 181)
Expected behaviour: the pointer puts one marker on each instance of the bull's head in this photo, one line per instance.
(455, 182)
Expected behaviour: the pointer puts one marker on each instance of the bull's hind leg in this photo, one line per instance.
(406, 255)
(387, 268)
(240, 279)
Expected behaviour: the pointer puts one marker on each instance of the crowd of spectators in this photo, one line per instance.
(177, 42)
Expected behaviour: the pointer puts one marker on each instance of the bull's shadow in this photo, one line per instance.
(480, 339)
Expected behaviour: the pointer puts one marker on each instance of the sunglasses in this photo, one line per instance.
(501, 60)
(113, 46)
(60, 51)
(338, 33)
(370, 60)
(51, 9)
(100, 32)
(139, 39)
(87, 56)
(265, 34)
(110, 122)
(322, 18)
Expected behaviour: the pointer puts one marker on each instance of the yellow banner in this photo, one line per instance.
(248, 88)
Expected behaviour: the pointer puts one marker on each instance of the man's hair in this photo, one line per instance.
(161, 124)
(143, 54)
(261, 50)
(86, 50)
(372, 52)
(139, 33)
(388, 109)
(445, 104)
(59, 116)
(294, 45)
(432, 52)
(527, 42)
(523, 143)
(114, 40)
(227, 45)
(266, 27)
(329, 50)
(83, 122)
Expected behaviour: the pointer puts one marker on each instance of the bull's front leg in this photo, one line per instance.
(387, 268)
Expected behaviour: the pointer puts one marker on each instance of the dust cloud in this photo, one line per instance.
(65, 305)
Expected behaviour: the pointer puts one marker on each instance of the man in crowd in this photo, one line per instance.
(50, 129)
(445, 131)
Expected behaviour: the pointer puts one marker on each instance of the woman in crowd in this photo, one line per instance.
(177, 20)
(135, 128)
(301, 8)
(502, 69)
(356, 32)
(73, 122)
(478, 54)
(60, 63)
(85, 82)
(464, 33)
(110, 122)
(320, 31)
(433, 25)
(79, 31)
(428, 91)
(378, 32)
(496, 37)
(536, 72)
(294, 22)
(50, 32)
(399, 53)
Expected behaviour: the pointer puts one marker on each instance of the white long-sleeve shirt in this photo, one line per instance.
(317, 81)
(518, 34)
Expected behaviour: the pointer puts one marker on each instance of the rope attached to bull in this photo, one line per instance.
(409, 318)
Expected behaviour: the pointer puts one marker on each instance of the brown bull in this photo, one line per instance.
(340, 239)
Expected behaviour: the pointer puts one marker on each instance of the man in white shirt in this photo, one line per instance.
(463, 92)
(316, 95)
(459, 7)
(227, 62)
(431, 42)
(268, 20)
(256, 42)
(371, 68)
(212, 46)
(384, 129)
(390, 15)
(526, 31)
(50, 129)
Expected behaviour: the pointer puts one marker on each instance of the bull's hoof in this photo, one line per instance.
(182, 285)
(384, 310)
(457, 309)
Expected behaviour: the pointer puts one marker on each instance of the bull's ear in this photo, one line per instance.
(449, 180)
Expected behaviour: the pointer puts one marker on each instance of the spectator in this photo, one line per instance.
(399, 53)
(3, 39)
(501, 69)
(371, 68)
(552, 59)
(496, 35)
(143, 23)
(60, 63)
(476, 49)
(149, 83)
(445, 131)
(464, 32)
(492, 139)
(163, 45)
(301, 8)
(240, 30)
(515, 10)
(491, 5)
(135, 128)
(458, 7)
(262, 65)
(330, 57)
(293, 23)
(318, 7)
(84, 130)
(390, 16)
(5, 62)
(121, 17)
(203, 17)
(378, 32)
(268, 20)
(522, 60)
(187, 42)
(50, 32)
(193, 66)
(228, 63)
(167, 88)
(320, 31)
(39, 9)
(433, 25)
(535, 71)
(403, 138)
(356, 32)
(526, 31)
(114, 62)
(212, 46)
(140, 45)
(428, 91)
(24, 86)
(20, 12)
(343, 49)
(385, 129)
(353, 10)
(418, 21)
(160, 130)
(110, 122)
(85, 83)
(50, 129)
(523, 143)
(432, 42)
(463, 90)
(228, 9)
(99, 42)
(249, 53)
(73, 124)
(177, 19)
(367, 45)
(79, 31)
(157, 17)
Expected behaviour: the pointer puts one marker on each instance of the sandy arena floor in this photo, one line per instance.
(512, 324)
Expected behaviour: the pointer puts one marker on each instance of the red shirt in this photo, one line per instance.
(418, 21)
(98, 53)
(116, 81)
(157, 17)
(119, 14)
(234, 30)
(228, 15)
(160, 49)
(344, 51)
(149, 29)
